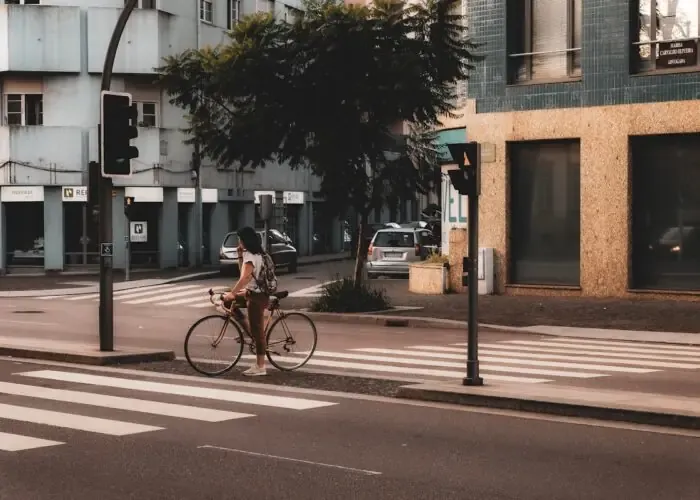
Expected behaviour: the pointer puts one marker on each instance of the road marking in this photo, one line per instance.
(288, 459)
(414, 371)
(203, 304)
(122, 292)
(16, 442)
(73, 421)
(585, 347)
(167, 295)
(181, 390)
(563, 350)
(49, 297)
(311, 291)
(119, 403)
(187, 300)
(484, 368)
(21, 322)
(151, 292)
(462, 356)
(652, 347)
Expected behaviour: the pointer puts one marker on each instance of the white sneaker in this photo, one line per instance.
(255, 371)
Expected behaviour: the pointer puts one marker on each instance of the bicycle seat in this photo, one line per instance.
(280, 295)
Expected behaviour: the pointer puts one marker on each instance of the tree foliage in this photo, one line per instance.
(328, 92)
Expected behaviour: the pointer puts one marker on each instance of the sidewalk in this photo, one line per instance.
(623, 406)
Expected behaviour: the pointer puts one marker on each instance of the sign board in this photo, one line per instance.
(106, 249)
(138, 231)
(75, 193)
(293, 197)
(258, 194)
(21, 193)
(677, 54)
(185, 195)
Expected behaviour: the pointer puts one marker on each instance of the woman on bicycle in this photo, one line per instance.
(250, 263)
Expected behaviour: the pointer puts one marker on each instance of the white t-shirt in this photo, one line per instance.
(257, 261)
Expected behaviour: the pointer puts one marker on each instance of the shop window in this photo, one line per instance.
(206, 11)
(666, 212)
(25, 234)
(545, 213)
(24, 109)
(544, 40)
(665, 34)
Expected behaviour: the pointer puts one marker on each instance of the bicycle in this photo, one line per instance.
(232, 316)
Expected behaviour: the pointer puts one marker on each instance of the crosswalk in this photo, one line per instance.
(169, 295)
(145, 401)
(513, 361)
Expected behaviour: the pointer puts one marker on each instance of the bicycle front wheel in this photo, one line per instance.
(214, 345)
(291, 341)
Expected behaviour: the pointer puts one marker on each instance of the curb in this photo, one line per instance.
(551, 407)
(98, 358)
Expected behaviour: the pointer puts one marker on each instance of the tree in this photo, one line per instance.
(328, 92)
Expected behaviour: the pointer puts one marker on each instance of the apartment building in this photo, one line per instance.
(51, 59)
(588, 114)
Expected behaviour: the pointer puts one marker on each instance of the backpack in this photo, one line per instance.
(267, 280)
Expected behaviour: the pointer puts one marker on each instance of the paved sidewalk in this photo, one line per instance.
(626, 406)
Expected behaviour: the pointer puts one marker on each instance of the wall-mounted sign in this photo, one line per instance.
(10, 194)
(75, 193)
(293, 197)
(677, 54)
(210, 195)
(145, 194)
(138, 231)
(185, 195)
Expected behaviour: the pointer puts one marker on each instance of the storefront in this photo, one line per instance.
(23, 226)
(80, 229)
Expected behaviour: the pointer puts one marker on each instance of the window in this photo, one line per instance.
(265, 6)
(144, 4)
(394, 239)
(206, 11)
(666, 212)
(22, 2)
(544, 40)
(234, 13)
(24, 109)
(545, 213)
(147, 114)
(666, 34)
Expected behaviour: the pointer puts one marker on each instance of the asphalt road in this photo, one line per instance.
(351, 449)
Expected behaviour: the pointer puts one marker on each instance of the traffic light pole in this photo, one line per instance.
(106, 321)
(473, 377)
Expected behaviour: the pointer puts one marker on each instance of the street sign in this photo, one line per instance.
(75, 193)
(138, 231)
(106, 249)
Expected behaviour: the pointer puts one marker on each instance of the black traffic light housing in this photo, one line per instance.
(118, 127)
(467, 178)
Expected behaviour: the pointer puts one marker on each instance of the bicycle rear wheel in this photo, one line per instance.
(291, 341)
(215, 333)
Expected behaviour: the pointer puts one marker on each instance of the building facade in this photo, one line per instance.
(588, 115)
(51, 58)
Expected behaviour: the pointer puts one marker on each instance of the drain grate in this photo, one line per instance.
(28, 312)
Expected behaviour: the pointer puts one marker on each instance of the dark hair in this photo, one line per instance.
(250, 240)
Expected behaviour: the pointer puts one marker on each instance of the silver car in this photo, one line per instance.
(392, 250)
(280, 249)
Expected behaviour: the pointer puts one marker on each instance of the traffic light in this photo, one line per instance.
(467, 178)
(118, 128)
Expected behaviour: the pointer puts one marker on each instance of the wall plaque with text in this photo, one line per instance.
(677, 54)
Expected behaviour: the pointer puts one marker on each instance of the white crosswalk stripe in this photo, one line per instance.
(516, 361)
(86, 401)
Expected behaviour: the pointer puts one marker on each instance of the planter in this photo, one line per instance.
(428, 279)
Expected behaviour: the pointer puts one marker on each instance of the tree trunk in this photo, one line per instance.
(361, 250)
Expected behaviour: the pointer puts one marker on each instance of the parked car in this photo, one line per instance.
(392, 250)
(281, 250)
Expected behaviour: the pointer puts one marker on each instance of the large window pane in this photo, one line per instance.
(666, 212)
(545, 213)
(549, 34)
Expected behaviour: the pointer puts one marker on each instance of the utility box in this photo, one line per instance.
(487, 271)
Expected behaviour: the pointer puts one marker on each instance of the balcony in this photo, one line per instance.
(164, 159)
(38, 155)
(149, 36)
(40, 38)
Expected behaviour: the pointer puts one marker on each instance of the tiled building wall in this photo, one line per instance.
(605, 58)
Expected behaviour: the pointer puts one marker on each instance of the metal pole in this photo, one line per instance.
(198, 210)
(127, 239)
(106, 321)
(473, 377)
(266, 235)
(84, 242)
